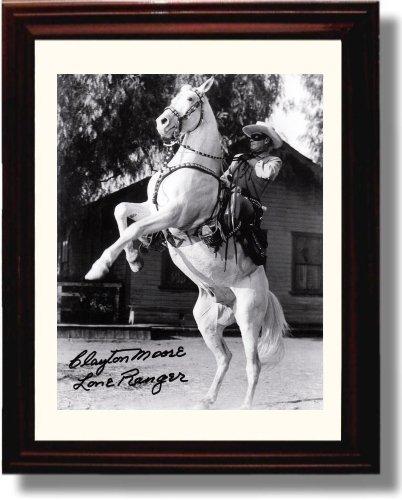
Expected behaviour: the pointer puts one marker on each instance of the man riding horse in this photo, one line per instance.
(252, 170)
(244, 184)
(182, 199)
(247, 177)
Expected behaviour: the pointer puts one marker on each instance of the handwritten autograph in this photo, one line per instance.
(130, 377)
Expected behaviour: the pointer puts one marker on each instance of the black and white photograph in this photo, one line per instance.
(191, 223)
(190, 241)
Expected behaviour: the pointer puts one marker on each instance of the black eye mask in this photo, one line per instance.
(257, 137)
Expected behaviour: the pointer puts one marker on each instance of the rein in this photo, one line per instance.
(180, 120)
(201, 153)
(163, 174)
(188, 113)
(168, 171)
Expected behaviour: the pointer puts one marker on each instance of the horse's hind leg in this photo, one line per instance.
(134, 211)
(207, 315)
(249, 310)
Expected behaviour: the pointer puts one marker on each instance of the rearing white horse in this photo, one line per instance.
(181, 198)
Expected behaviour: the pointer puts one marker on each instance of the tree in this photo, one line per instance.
(238, 100)
(105, 130)
(106, 126)
(314, 113)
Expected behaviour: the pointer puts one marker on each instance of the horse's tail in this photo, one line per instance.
(271, 345)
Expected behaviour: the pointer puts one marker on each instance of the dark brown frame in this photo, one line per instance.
(356, 24)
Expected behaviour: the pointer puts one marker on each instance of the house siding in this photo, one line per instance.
(148, 299)
(290, 207)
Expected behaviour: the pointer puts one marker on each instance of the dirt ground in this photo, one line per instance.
(295, 384)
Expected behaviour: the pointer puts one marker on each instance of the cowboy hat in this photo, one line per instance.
(264, 128)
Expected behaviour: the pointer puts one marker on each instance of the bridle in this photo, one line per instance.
(166, 171)
(188, 113)
(181, 119)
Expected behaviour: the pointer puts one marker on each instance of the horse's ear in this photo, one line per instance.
(204, 87)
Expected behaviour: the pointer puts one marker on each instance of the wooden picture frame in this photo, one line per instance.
(356, 25)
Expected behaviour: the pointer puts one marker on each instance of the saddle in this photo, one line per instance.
(239, 217)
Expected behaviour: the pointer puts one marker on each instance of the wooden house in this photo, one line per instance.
(160, 293)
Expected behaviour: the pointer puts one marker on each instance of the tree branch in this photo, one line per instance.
(109, 178)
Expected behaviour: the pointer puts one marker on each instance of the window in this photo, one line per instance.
(62, 257)
(307, 264)
(64, 252)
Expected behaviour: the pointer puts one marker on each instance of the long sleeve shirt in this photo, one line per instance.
(251, 175)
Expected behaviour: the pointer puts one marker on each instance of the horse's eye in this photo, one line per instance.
(190, 98)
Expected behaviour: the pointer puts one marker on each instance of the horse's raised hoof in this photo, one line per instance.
(135, 261)
(98, 270)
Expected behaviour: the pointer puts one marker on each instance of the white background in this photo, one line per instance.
(387, 485)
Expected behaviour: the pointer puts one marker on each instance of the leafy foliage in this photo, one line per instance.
(105, 129)
(107, 132)
(314, 114)
(238, 100)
